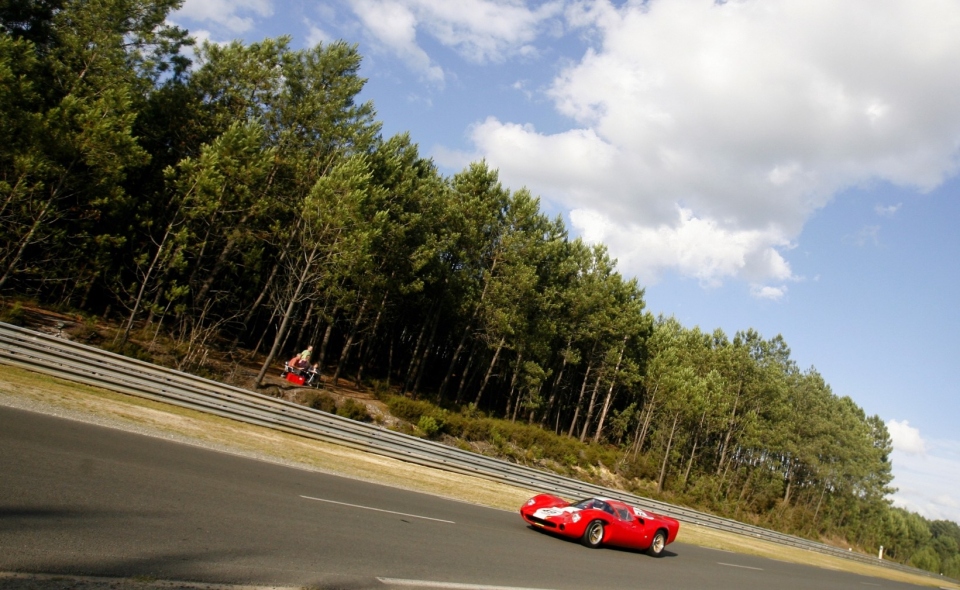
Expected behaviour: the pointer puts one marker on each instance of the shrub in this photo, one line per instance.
(409, 409)
(454, 424)
(14, 315)
(320, 401)
(926, 559)
(380, 389)
(131, 350)
(354, 410)
(951, 567)
(88, 334)
(428, 426)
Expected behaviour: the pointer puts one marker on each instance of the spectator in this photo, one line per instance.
(313, 374)
(296, 365)
(306, 354)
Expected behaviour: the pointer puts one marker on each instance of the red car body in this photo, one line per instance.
(601, 521)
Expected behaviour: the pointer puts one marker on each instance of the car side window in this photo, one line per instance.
(624, 514)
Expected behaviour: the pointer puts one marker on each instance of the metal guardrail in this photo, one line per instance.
(86, 364)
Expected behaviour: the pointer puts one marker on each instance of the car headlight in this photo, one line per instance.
(530, 502)
(575, 517)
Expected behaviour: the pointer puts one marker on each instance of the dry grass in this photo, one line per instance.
(30, 390)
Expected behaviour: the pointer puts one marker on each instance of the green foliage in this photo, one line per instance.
(320, 401)
(951, 567)
(409, 409)
(14, 314)
(129, 349)
(428, 426)
(926, 559)
(380, 389)
(354, 410)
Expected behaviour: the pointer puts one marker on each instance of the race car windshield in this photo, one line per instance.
(595, 504)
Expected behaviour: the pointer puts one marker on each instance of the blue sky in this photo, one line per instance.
(784, 165)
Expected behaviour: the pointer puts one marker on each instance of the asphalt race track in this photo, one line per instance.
(86, 500)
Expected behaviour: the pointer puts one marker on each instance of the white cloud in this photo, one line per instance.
(869, 234)
(394, 25)
(928, 483)
(698, 247)
(478, 30)
(201, 36)
(887, 210)
(768, 292)
(235, 16)
(746, 116)
(906, 438)
(316, 35)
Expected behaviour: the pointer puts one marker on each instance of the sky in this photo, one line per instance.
(789, 166)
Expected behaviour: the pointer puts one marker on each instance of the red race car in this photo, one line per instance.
(599, 521)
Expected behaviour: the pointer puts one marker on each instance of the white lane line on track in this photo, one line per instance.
(378, 509)
(746, 567)
(449, 585)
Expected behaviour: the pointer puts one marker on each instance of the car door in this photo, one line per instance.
(626, 530)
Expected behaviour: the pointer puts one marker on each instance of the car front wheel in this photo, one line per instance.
(593, 534)
(657, 545)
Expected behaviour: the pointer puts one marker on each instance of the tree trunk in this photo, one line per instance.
(486, 378)
(221, 260)
(268, 284)
(591, 405)
(511, 403)
(466, 372)
(390, 360)
(25, 241)
(548, 407)
(345, 353)
(304, 325)
(421, 366)
(143, 284)
(648, 410)
(666, 454)
(606, 403)
(287, 314)
(466, 332)
(819, 503)
(576, 409)
(693, 453)
(726, 440)
(364, 359)
(232, 240)
(327, 333)
(263, 295)
(532, 410)
(414, 360)
(745, 488)
(456, 357)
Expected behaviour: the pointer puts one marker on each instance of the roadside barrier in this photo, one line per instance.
(77, 362)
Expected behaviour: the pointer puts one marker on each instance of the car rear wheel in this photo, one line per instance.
(593, 534)
(657, 545)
